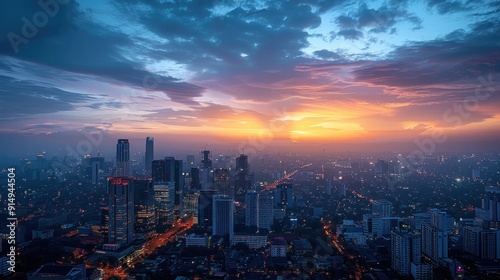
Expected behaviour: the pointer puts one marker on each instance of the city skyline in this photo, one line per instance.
(314, 75)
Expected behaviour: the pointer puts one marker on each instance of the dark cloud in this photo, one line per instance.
(326, 54)
(439, 61)
(350, 34)
(449, 6)
(72, 41)
(19, 98)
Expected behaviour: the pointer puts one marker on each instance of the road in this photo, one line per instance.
(149, 247)
(284, 178)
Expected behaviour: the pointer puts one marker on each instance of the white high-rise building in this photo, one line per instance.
(405, 250)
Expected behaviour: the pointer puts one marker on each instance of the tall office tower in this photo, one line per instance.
(405, 250)
(94, 166)
(195, 179)
(242, 171)
(164, 202)
(163, 170)
(205, 208)
(223, 216)
(121, 210)
(266, 210)
(144, 205)
(149, 156)
(435, 236)
(342, 189)
(382, 208)
(252, 209)
(123, 158)
(284, 195)
(222, 182)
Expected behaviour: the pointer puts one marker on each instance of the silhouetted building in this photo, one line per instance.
(195, 179)
(123, 158)
(205, 208)
(222, 182)
(149, 156)
(242, 182)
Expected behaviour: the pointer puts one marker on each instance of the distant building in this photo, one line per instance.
(121, 210)
(222, 182)
(382, 208)
(149, 156)
(252, 208)
(122, 158)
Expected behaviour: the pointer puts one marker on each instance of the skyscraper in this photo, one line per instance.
(144, 205)
(121, 210)
(242, 183)
(223, 216)
(149, 156)
(252, 208)
(122, 158)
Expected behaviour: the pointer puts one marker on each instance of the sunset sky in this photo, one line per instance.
(290, 72)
